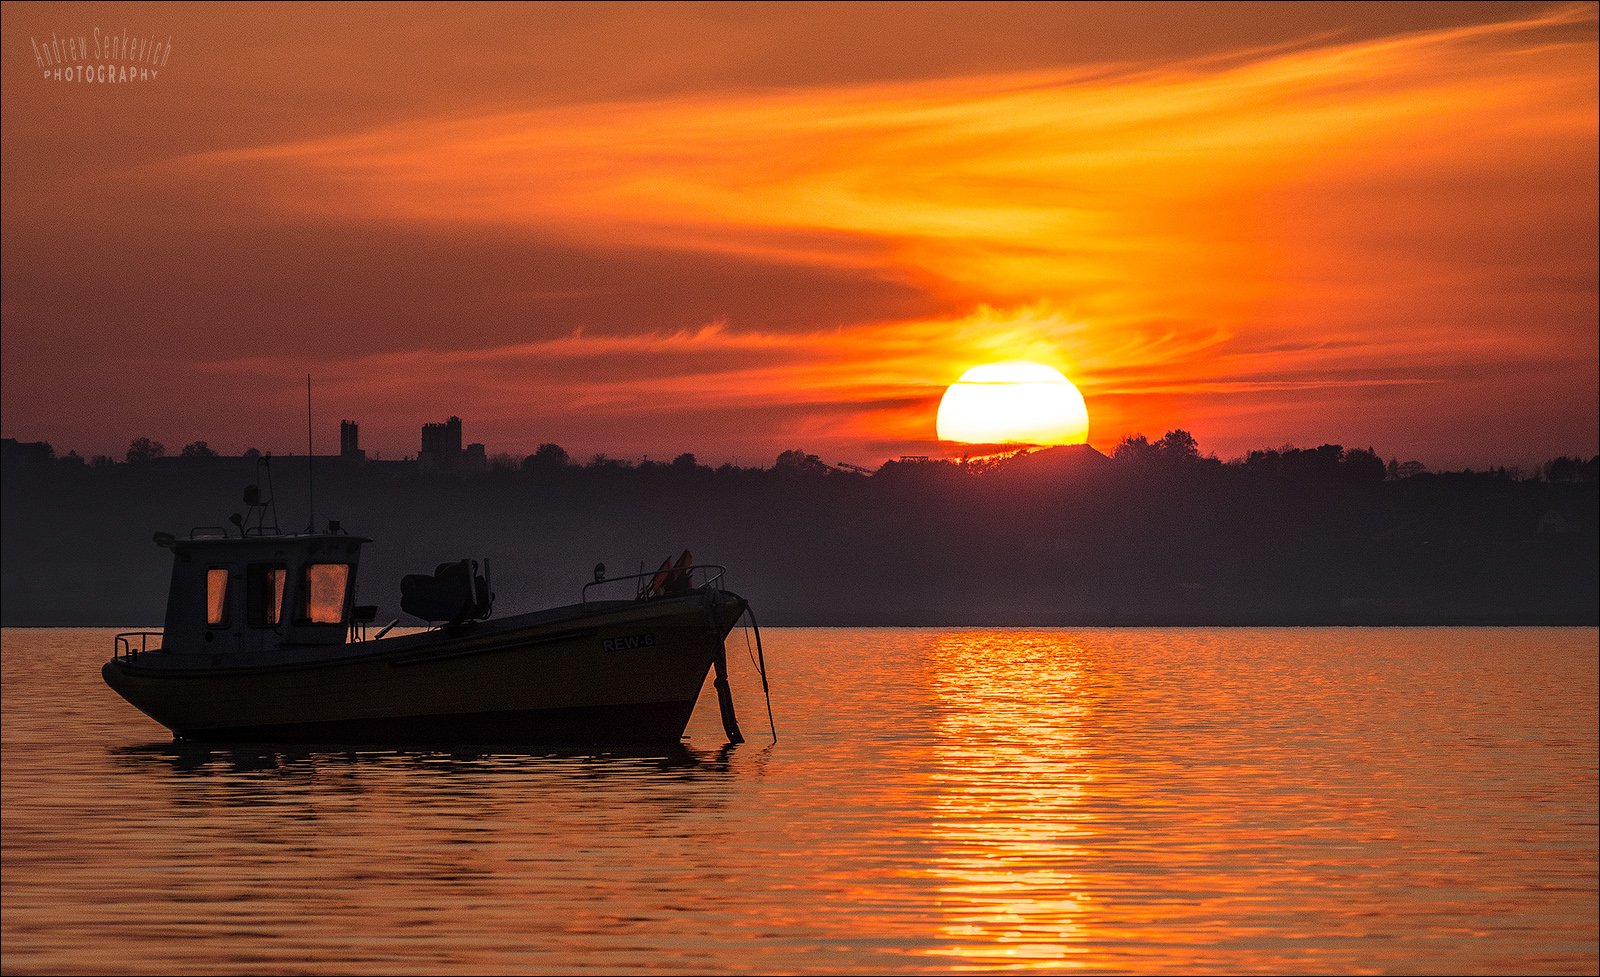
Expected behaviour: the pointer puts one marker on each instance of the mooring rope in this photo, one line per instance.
(762, 666)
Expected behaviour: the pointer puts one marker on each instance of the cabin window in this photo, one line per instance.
(264, 593)
(217, 597)
(325, 592)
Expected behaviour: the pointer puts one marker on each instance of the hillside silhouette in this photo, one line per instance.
(1155, 534)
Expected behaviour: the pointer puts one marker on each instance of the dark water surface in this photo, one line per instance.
(1276, 801)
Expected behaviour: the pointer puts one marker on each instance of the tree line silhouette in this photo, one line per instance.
(1154, 533)
(1327, 462)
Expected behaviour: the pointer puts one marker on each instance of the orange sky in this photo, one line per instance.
(731, 230)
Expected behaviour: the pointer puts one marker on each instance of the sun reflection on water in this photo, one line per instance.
(1015, 767)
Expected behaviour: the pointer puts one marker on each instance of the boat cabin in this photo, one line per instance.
(232, 594)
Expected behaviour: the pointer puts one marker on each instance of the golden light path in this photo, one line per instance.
(1013, 402)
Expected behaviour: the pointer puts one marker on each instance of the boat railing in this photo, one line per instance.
(708, 574)
(123, 645)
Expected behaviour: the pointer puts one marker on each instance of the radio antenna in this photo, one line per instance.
(311, 485)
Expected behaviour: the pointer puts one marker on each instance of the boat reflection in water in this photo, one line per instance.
(201, 760)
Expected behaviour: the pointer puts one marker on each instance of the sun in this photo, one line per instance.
(1014, 402)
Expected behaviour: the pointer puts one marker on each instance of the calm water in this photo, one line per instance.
(1340, 800)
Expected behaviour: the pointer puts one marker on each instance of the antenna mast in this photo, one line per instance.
(311, 485)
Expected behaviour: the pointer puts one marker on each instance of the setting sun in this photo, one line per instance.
(1014, 402)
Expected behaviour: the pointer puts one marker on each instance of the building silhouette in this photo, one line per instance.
(350, 441)
(441, 447)
(25, 454)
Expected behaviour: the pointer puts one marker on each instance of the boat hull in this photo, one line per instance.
(625, 673)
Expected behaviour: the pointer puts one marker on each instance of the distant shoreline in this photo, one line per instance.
(1057, 538)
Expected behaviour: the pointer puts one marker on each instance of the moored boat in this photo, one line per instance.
(263, 642)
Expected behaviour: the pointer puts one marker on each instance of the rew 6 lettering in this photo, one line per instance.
(630, 642)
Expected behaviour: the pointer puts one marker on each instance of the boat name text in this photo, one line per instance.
(629, 642)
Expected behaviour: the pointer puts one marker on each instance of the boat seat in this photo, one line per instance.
(452, 593)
